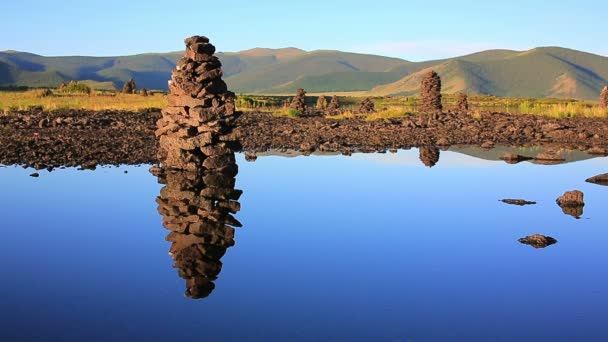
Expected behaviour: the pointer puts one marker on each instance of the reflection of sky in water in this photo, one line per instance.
(368, 247)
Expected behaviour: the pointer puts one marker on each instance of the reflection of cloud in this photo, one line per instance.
(425, 49)
(411, 158)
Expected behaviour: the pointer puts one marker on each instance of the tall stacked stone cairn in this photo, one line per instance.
(197, 142)
(321, 102)
(129, 87)
(604, 98)
(334, 106)
(299, 101)
(462, 102)
(198, 207)
(367, 106)
(196, 129)
(430, 93)
(429, 155)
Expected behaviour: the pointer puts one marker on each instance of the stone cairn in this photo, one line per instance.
(129, 87)
(198, 207)
(604, 98)
(430, 95)
(321, 102)
(429, 155)
(462, 103)
(299, 102)
(197, 142)
(334, 106)
(196, 129)
(367, 106)
(144, 92)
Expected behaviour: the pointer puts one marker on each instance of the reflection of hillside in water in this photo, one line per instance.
(198, 207)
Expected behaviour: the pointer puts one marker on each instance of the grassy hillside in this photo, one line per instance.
(541, 72)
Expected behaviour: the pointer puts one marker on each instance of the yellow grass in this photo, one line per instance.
(563, 110)
(392, 112)
(97, 101)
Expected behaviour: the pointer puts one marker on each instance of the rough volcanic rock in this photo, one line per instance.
(538, 241)
(604, 98)
(129, 87)
(334, 106)
(572, 203)
(367, 106)
(462, 102)
(599, 179)
(299, 101)
(519, 202)
(430, 93)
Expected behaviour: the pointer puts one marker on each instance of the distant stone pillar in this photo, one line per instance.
(196, 128)
(604, 98)
(462, 103)
(334, 106)
(367, 106)
(299, 102)
(321, 102)
(430, 93)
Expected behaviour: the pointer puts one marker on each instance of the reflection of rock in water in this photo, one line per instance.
(429, 155)
(538, 241)
(197, 207)
(572, 203)
(599, 179)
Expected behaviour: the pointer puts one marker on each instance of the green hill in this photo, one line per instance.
(541, 72)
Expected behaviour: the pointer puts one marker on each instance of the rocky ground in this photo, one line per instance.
(86, 139)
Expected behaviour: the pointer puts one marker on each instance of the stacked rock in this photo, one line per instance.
(429, 155)
(196, 128)
(129, 87)
(321, 103)
(144, 92)
(430, 94)
(299, 101)
(334, 106)
(367, 106)
(198, 207)
(604, 98)
(462, 102)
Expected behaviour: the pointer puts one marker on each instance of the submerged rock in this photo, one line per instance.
(35, 175)
(519, 202)
(599, 179)
(512, 158)
(538, 241)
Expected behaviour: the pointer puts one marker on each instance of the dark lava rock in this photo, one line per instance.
(35, 175)
(599, 179)
(538, 241)
(462, 103)
(519, 202)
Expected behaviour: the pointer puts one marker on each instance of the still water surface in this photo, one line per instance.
(372, 247)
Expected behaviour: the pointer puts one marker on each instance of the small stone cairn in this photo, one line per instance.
(462, 102)
(334, 106)
(321, 103)
(430, 95)
(429, 155)
(130, 87)
(604, 98)
(196, 128)
(299, 102)
(367, 106)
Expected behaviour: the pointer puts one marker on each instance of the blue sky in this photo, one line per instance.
(417, 30)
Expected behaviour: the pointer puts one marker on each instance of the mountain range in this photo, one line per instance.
(540, 72)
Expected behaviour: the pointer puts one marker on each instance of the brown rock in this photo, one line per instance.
(604, 98)
(367, 106)
(572, 198)
(462, 103)
(599, 179)
(538, 241)
(519, 202)
(299, 102)
(429, 155)
(334, 106)
(430, 94)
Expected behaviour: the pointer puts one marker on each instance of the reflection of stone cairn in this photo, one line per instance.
(334, 106)
(429, 155)
(196, 128)
(462, 103)
(197, 208)
(367, 106)
(430, 95)
(321, 103)
(604, 98)
(299, 102)
(129, 87)
(197, 138)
